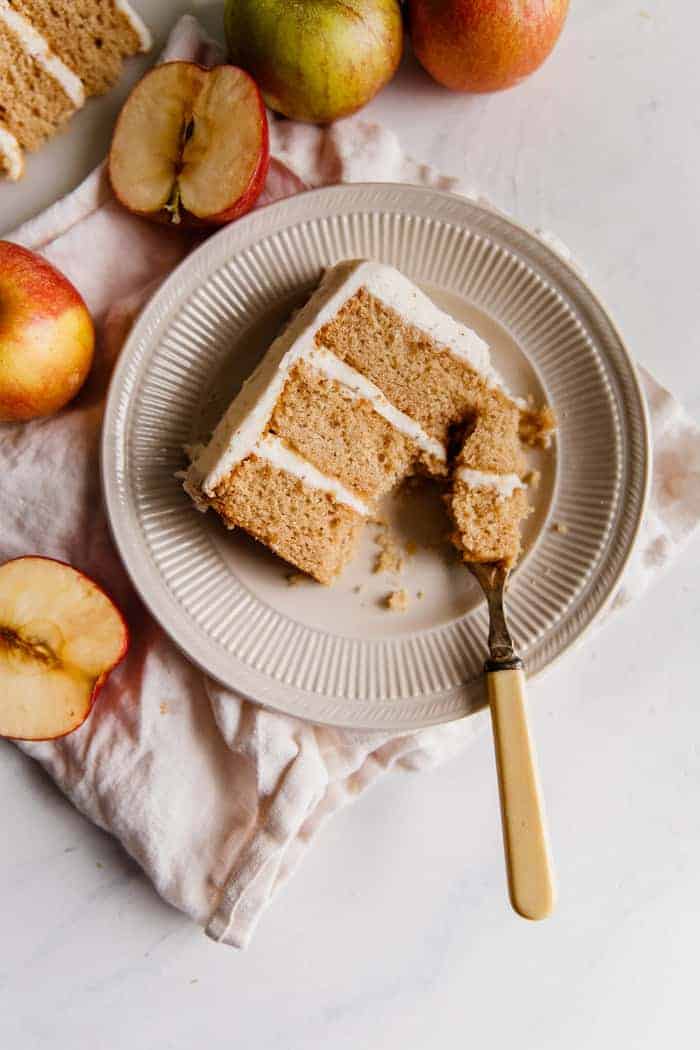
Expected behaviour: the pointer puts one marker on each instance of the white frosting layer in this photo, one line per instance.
(11, 158)
(36, 46)
(282, 457)
(246, 418)
(362, 388)
(136, 22)
(504, 484)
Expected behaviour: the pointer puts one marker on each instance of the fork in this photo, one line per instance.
(528, 859)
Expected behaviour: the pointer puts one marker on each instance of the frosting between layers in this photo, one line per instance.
(137, 24)
(363, 389)
(281, 456)
(37, 46)
(242, 425)
(11, 159)
(504, 484)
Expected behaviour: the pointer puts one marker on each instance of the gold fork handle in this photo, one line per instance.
(530, 875)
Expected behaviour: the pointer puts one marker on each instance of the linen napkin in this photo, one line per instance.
(216, 798)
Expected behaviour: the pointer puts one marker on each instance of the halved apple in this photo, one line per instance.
(60, 636)
(191, 145)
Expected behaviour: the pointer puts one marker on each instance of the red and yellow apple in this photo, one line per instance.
(47, 338)
(60, 636)
(316, 60)
(484, 45)
(191, 145)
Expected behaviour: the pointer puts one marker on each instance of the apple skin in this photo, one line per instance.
(47, 338)
(484, 45)
(100, 681)
(319, 60)
(187, 220)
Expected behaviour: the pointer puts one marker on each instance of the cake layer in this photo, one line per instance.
(280, 455)
(487, 522)
(340, 433)
(305, 526)
(37, 91)
(92, 37)
(422, 378)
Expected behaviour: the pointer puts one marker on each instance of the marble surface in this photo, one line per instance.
(396, 933)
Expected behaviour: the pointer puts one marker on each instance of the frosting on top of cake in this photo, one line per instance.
(37, 46)
(242, 426)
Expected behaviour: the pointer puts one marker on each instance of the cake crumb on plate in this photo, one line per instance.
(390, 557)
(397, 601)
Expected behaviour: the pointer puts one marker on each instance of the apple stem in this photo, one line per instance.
(173, 205)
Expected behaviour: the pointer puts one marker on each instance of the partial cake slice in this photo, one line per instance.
(38, 92)
(487, 499)
(92, 37)
(369, 383)
(11, 156)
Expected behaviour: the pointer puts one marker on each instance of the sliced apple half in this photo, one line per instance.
(60, 636)
(191, 145)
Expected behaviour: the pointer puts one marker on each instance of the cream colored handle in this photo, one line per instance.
(530, 876)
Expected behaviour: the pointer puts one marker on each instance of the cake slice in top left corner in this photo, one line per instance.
(92, 37)
(38, 92)
(53, 55)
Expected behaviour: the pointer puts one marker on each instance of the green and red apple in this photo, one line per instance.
(484, 45)
(47, 338)
(60, 637)
(191, 145)
(316, 60)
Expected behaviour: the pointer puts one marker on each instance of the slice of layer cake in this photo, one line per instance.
(53, 54)
(92, 37)
(369, 383)
(38, 92)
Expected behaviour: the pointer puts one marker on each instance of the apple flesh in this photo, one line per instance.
(60, 636)
(484, 45)
(317, 60)
(47, 338)
(191, 145)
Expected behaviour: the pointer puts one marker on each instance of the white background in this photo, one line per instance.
(396, 933)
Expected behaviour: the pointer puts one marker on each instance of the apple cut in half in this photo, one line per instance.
(191, 145)
(60, 636)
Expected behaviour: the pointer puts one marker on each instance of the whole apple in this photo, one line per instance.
(47, 337)
(484, 45)
(316, 60)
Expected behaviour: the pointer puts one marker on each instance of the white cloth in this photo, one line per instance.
(216, 798)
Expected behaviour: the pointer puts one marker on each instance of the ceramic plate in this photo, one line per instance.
(337, 655)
